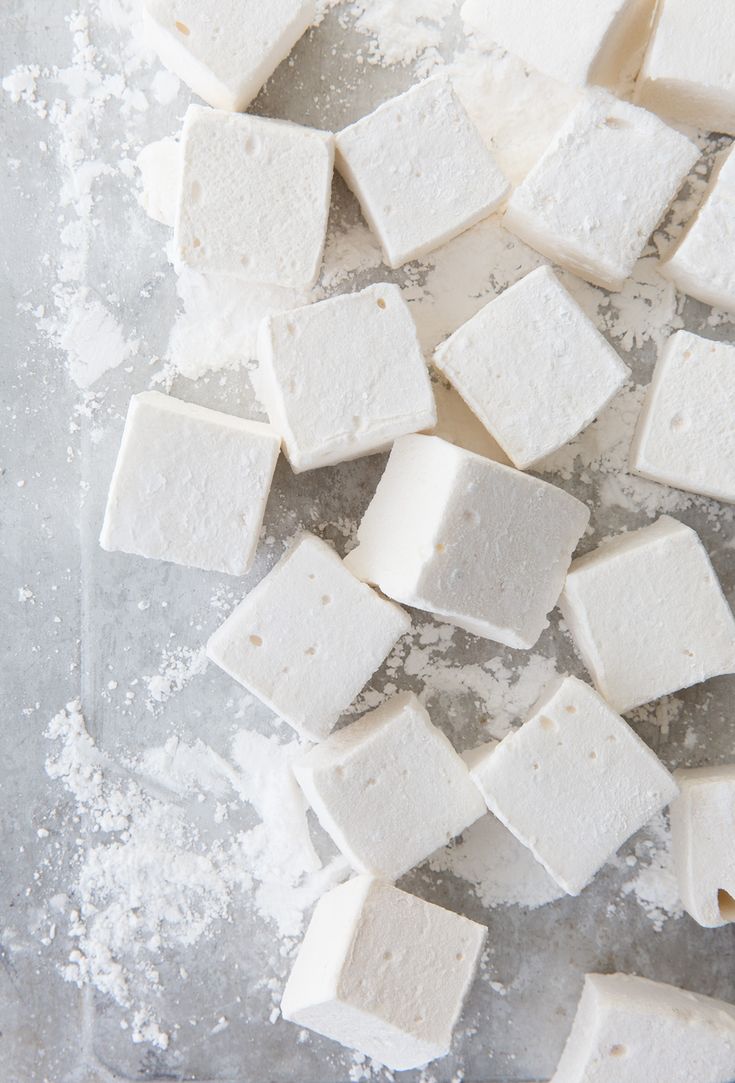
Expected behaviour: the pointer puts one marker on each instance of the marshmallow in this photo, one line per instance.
(703, 840)
(575, 41)
(389, 789)
(648, 614)
(573, 783)
(420, 170)
(160, 173)
(604, 183)
(383, 972)
(532, 367)
(688, 74)
(686, 430)
(308, 637)
(225, 52)
(703, 263)
(631, 1030)
(345, 377)
(254, 197)
(190, 485)
(456, 424)
(478, 544)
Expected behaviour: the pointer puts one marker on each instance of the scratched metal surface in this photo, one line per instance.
(51, 1031)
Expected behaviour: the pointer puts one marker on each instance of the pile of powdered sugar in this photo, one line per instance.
(147, 877)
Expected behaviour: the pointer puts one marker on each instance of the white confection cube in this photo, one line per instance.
(632, 1030)
(703, 841)
(598, 192)
(225, 51)
(686, 431)
(344, 377)
(648, 614)
(575, 41)
(308, 637)
(190, 485)
(703, 263)
(479, 544)
(420, 170)
(688, 73)
(389, 789)
(383, 972)
(573, 783)
(456, 424)
(254, 197)
(533, 367)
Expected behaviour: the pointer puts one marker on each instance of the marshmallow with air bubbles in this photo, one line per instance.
(703, 839)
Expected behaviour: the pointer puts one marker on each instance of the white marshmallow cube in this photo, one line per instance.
(253, 198)
(225, 52)
(308, 637)
(190, 485)
(686, 430)
(606, 46)
(648, 614)
(532, 367)
(480, 545)
(703, 263)
(703, 842)
(389, 789)
(344, 377)
(688, 73)
(598, 192)
(632, 1030)
(573, 783)
(383, 972)
(420, 170)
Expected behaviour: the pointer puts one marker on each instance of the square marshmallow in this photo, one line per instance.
(389, 789)
(648, 614)
(480, 545)
(598, 192)
(703, 263)
(703, 843)
(190, 485)
(225, 52)
(573, 783)
(308, 637)
(253, 198)
(630, 1029)
(686, 430)
(344, 377)
(384, 973)
(532, 367)
(420, 170)
(606, 47)
(688, 73)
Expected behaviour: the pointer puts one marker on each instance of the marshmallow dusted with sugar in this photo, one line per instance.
(308, 637)
(703, 843)
(688, 74)
(606, 47)
(420, 170)
(344, 377)
(225, 51)
(383, 972)
(253, 198)
(686, 430)
(600, 189)
(648, 615)
(478, 544)
(632, 1030)
(532, 367)
(703, 263)
(573, 783)
(389, 789)
(190, 485)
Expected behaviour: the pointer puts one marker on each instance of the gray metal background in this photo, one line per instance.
(51, 1031)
